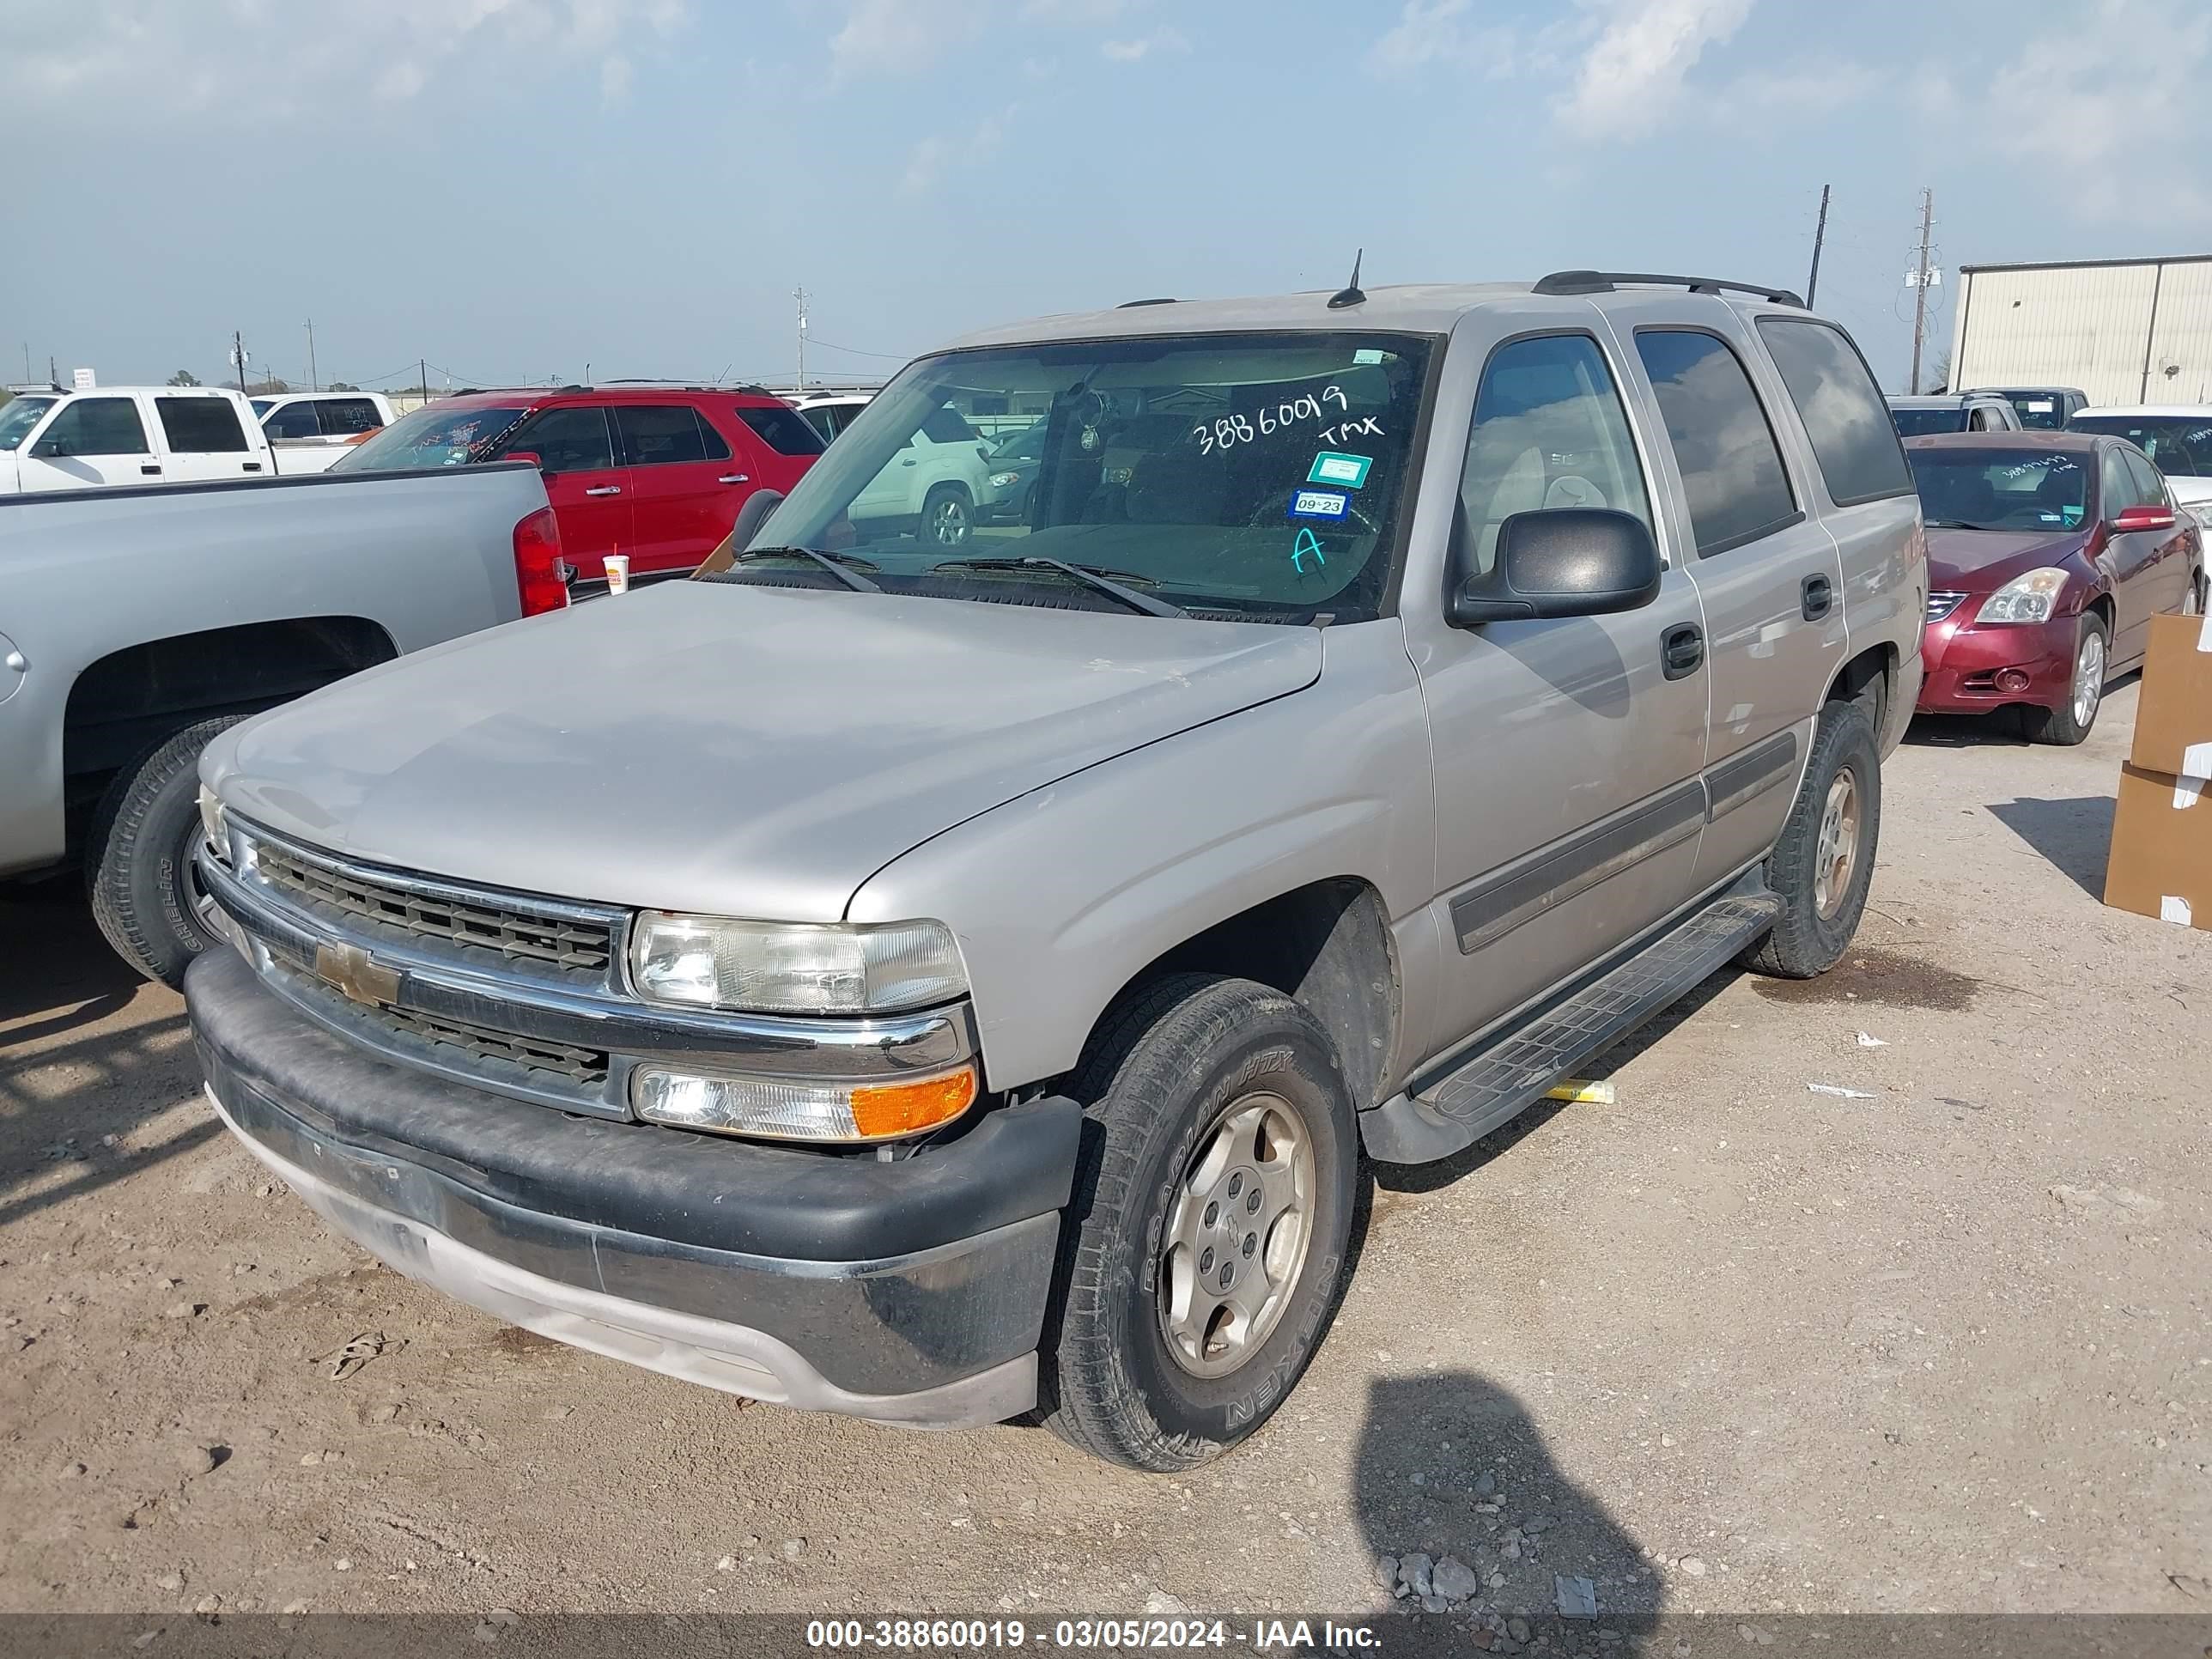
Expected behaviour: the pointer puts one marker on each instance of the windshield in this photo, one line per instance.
(2030, 490)
(263, 405)
(2180, 445)
(1257, 477)
(435, 434)
(1919, 423)
(18, 416)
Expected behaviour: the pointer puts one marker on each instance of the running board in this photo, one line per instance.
(1498, 1082)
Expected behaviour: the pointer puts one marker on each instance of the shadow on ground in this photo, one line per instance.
(88, 1051)
(2073, 835)
(1455, 1479)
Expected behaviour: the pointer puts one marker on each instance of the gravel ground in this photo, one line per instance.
(1731, 1344)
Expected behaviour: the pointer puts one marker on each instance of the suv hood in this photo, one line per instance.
(738, 750)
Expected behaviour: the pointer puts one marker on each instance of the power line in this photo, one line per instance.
(888, 356)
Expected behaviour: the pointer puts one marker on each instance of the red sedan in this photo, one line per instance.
(2048, 555)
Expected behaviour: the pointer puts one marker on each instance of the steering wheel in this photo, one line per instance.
(1276, 509)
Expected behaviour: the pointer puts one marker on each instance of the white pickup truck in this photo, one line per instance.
(311, 429)
(124, 435)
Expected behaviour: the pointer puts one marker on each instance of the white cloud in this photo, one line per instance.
(1079, 12)
(1633, 71)
(2097, 89)
(258, 59)
(934, 157)
(896, 37)
(1437, 31)
(1802, 88)
(1131, 51)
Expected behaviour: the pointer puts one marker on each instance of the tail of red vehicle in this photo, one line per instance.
(538, 569)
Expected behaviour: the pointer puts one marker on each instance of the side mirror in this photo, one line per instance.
(1562, 561)
(530, 456)
(757, 506)
(2143, 518)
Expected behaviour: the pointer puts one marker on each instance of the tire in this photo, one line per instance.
(138, 858)
(1820, 915)
(1163, 1081)
(2197, 601)
(2073, 721)
(948, 517)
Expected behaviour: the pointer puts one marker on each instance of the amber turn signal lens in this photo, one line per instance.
(900, 1108)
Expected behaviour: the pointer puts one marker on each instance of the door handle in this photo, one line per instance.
(150, 472)
(253, 467)
(1817, 597)
(906, 463)
(735, 478)
(1682, 651)
(604, 489)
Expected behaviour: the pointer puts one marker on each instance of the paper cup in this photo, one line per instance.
(617, 572)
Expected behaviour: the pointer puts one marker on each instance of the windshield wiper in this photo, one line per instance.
(835, 563)
(1098, 580)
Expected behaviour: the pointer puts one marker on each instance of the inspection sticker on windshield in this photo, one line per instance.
(1331, 468)
(1366, 355)
(1319, 504)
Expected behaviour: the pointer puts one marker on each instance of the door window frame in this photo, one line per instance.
(61, 412)
(1794, 485)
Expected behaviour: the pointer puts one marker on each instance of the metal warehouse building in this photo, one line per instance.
(2124, 331)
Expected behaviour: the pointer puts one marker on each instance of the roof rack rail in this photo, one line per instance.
(1605, 281)
(1131, 305)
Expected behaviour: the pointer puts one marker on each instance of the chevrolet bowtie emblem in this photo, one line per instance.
(349, 969)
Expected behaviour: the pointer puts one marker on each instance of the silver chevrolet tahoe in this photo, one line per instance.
(940, 977)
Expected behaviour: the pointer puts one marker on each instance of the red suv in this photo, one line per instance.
(658, 472)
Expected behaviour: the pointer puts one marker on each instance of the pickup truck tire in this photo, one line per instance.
(1823, 864)
(138, 867)
(1219, 1122)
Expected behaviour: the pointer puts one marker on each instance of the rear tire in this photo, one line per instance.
(2072, 721)
(1219, 1155)
(1823, 864)
(138, 859)
(948, 517)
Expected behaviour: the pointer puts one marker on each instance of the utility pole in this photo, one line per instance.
(799, 295)
(53, 374)
(238, 356)
(1820, 235)
(422, 365)
(312, 386)
(1920, 285)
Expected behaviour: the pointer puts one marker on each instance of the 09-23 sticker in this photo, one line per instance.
(1319, 504)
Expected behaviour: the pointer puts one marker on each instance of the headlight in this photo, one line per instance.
(783, 1109)
(1005, 480)
(214, 824)
(781, 968)
(2026, 599)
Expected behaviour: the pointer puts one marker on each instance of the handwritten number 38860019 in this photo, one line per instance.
(1233, 429)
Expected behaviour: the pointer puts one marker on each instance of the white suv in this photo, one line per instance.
(934, 485)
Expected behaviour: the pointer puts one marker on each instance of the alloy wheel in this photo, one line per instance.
(2088, 678)
(1236, 1239)
(1836, 851)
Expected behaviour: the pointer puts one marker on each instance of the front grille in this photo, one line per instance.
(1941, 605)
(571, 947)
(586, 1068)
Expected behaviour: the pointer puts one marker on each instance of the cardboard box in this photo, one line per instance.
(2160, 864)
(2174, 710)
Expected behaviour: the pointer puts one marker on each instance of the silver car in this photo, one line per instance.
(934, 983)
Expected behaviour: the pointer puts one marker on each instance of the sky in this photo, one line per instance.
(525, 190)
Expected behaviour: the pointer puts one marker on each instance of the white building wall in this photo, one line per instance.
(2123, 334)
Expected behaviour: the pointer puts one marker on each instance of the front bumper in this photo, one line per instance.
(910, 1291)
(1963, 660)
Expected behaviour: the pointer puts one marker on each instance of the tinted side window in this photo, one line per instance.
(1549, 432)
(658, 434)
(1853, 440)
(783, 430)
(201, 426)
(2150, 488)
(946, 426)
(2116, 483)
(572, 440)
(343, 417)
(98, 426)
(1731, 470)
(293, 420)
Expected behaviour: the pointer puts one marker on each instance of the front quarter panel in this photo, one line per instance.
(1062, 896)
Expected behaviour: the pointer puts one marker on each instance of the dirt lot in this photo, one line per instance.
(1730, 1345)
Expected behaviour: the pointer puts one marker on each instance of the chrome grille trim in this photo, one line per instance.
(483, 927)
(1943, 604)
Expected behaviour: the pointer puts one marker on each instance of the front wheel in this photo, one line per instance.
(2194, 603)
(1822, 866)
(2070, 722)
(1207, 1241)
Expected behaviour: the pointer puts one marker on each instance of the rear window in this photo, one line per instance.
(784, 430)
(201, 426)
(436, 434)
(1731, 468)
(342, 417)
(1861, 459)
(947, 426)
(1924, 422)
